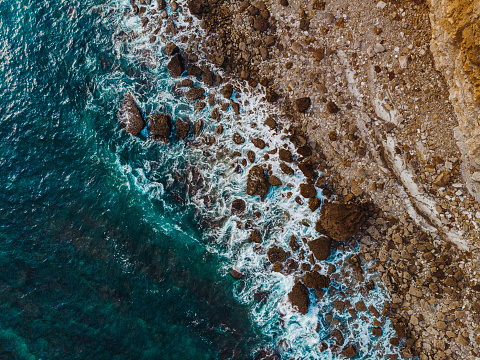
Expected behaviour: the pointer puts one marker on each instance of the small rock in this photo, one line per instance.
(194, 70)
(293, 243)
(238, 139)
(257, 182)
(251, 157)
(286, 169)
(349, 351)
(285, 155)
(270, 122)
(443, 178)
(271, 95)
(171, 49)
(186, 83)
(314, 280)
(227, 91)
(274, 181)
(260, 24)
(283, 2)
(319, 54)
(314, 204)
(182, 128)
(360, 306)
(303, 104)
(332, 108)
(236, 274)
(195, 7)
(255, 236)
(379, 48)
(308, 191)
(259, 143)
(377, 331)
(160, 126)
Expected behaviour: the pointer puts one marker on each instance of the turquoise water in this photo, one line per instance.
(94, 264)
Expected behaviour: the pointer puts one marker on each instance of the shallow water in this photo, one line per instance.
(114, 246)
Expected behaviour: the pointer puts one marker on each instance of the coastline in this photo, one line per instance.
(360, 137)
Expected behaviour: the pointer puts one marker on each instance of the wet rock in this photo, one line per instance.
(175, 66)
(227, 91)
(274, 181)
(299, 298)
(186, 82)
(207, 77)
(314, 204)
(332, 108)
(349, 351)
(267, 354)
(320, 248)
(285, 155)
(257, 182)
(271, 95)
(198, 127)
(236, 274)
(182, 129)
(160, 126)
(238, 206)
(251, 156)
(161, 4)
(194, 70)
(276, 254)
(337, 335)
(314, 280)
(255, 236)
(129, 116)
(259, 143)
(286, 169)
(303, 104)
(293, 243)
(340, 221)
(171, 49)
(270, 122)
(308, 191)
(235, 107)
(360, 306)
(260, 24)
(304, 151)
(195, 7)
(238, 139)
(194, 94)
(377, 331)
(307, 167)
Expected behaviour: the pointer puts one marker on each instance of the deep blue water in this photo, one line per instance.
(91, 266)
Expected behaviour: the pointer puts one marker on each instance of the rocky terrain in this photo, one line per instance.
(391, 141)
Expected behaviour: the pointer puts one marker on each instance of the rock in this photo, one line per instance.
(304, 24)
(260, 24)
(349, 351)
(160, 126)
(299, 298)
(175, 66)
(174, 6)
(238, 207)
(285, 155)
(251, 157)
(259, 143)
(182, 129)
(271, 95)
(274, 181)
(303, 104)
(186, 83)
(337, 335)
(227, 91)
(257, 182)
(360, 306)
(270, 122)
(443, 178)
(195, 7)
(283, 2)
(194, 94)
(314, 204)
(276, 254)
(308, 191)
(238, 139)
(194, 70)
(307, 167)
(267, 354)
(332, 108)
(255, 236)
(377, 331)
(171, 49)
(286, 169)
(236, 274)
(293, 243)
(129, 116)
(207, 77)
(161, 4)
(319, 54)
(339, 305)
(340, 221)
(320, 248)
(198, 127)
(304, 151)
(314, 280)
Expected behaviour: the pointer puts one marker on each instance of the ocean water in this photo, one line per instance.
(117, 247)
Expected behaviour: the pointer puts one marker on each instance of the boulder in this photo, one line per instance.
(274, 181)
(271, 95)
(285, 155)
(175, 66)
(194, 94)
(308, 191)
(129, 116)
(194, 70)
(259, 143)
(303, 104)
(270, 122)
(255, 236)
(307, 167)
(337, 335)
(171, 49)
(286, 169)
(320, 248)
(299, 298)
(160, 126)
(260, 24)
(207, 77)
(314, 280)
(276, 254)
(340, 221)
(349, 351)
(257, 181)
(238, 206)
(227, 91)
(238, 139)
(195, 7)
(314, 204)
(182, 128)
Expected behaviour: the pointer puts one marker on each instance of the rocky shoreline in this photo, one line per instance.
(385, 190)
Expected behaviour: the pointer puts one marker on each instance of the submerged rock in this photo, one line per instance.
(238, 206)
(299, 298)
(129, 116)
(236, 274)
(160, 126)
(257, 182)
(267, 354)
(175, 66)
(182, 129)
(340, 221)
(320, 248)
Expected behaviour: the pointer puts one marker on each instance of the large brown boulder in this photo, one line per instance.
(308, 191)
(285, 155)
(160, 126)
(195, 7)
(314, 280)
(182, 129)
(276, 254)
(260, 24)
(175, 66)
(340, 221)
(299, 298)
(129, 116)
(320, 247)
(257, 181)
(194, 94)
(307, 167)
(238, 206)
